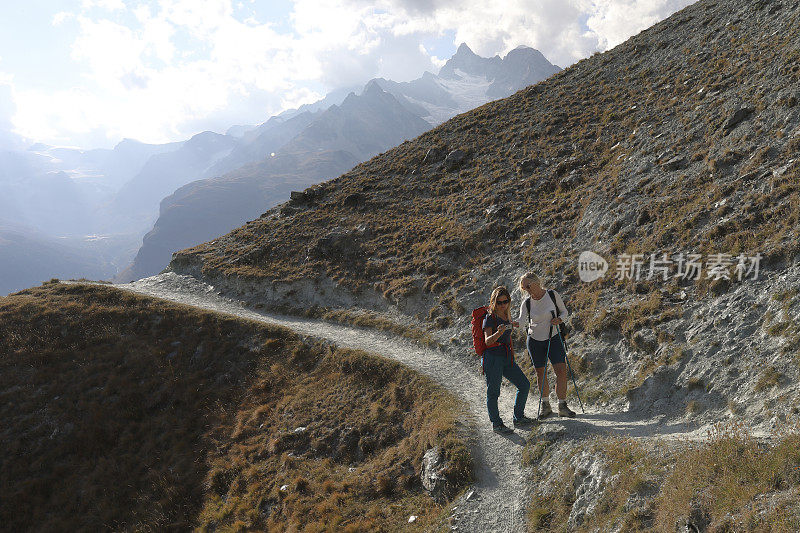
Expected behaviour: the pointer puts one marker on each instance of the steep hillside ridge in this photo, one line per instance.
(200, 210)
(258, 143)
(362, 123)
(36, 193)
(131, 413)
(681, 140)
(330, 143)
(135, 205)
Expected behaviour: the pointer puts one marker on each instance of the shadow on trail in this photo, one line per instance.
(621, 424)
(485, 474)
(517, 439)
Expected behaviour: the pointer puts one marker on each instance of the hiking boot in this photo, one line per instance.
(502, 429)
(563, 410)
(523, 421)
(546, 410)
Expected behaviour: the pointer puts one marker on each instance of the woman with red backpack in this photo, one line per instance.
(498, 361)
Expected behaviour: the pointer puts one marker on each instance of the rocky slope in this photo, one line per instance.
(681, 140)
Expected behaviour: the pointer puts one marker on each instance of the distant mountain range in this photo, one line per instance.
(364, 124)
(180, 194)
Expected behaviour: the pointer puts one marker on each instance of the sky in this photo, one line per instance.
(88, 73)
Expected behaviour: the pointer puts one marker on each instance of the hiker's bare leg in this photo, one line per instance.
(561, 380)
(544, 387)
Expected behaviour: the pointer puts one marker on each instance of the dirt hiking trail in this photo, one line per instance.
(499, 498)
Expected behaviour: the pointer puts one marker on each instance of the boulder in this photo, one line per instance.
(676, 163)
(301, 197)
(354, 200)
(571, 181)
(737, 117)
(454, 159)
(432, 475)
(527, 166)
(434, 155)
(697, 519)
(339, 244)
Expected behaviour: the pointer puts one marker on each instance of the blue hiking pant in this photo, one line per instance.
(495, 367)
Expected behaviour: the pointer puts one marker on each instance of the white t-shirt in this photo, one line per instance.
(540, 315)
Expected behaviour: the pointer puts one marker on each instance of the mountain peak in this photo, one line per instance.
(372, 87)
(464, 50)
(127, 142)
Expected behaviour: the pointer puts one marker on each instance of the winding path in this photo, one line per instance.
(501, 492)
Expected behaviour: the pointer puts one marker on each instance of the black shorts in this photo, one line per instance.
(538, 351)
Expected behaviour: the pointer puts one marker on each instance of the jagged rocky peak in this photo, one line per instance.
(526, 55)
(468, 62)
(372, 92)
(464, 51)
(518, 62)
(373, 87)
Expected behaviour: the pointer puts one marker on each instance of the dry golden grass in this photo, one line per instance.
(731, 482)
(132, 413)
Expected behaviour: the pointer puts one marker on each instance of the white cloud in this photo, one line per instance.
(616, 20)
(563, 30)
(6, 98)
(9, 139)
(140, 83)
(160, 71)
(110, 5)
(294, 98)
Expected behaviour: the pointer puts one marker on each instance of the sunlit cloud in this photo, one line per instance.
(162, 71)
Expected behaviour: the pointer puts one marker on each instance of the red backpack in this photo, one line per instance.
(478, 338)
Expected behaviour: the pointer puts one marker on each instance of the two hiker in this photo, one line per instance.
(541, 316)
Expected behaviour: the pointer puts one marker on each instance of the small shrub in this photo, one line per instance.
(693, 408)
(695, 383)
(779, 328)
(769, 378)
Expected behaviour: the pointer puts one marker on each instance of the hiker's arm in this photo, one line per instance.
(563, 316)
(523, 313)
(491, 339)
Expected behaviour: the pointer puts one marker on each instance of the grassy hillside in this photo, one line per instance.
(681, 140)
(634, 150)
(129, 413)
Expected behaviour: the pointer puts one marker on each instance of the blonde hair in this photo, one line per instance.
(529, 277)
(496, 293)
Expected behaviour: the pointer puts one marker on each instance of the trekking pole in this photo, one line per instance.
(569, 366)
(544, 378)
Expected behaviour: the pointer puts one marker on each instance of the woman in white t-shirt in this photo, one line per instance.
(540, 316)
